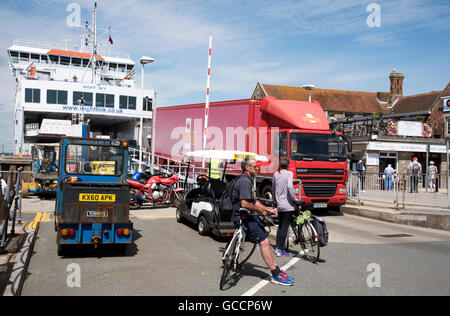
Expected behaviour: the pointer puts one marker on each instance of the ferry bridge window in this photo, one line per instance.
(100, 100)
(130, 67)
(54, 59)
(85, 62)
(57, 97)
(112, 67)
(14, 57)
(35, 57)
(147, 104)
(83, 97)
(44, 59)
(126, 102)
(65, 61)
(123, 102)
(24, 57)
(76, 62)
(110, 100)
(122, 68)
(132, 103)
(32, 95)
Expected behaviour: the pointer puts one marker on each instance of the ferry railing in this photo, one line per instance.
(10, 193)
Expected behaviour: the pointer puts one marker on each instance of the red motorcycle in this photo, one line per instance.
(157, 190)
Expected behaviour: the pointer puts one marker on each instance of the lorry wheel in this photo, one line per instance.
(202, 226)
(266, 193)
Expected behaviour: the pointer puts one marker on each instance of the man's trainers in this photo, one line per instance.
(281, 279)
(286, 276)
(279, 252)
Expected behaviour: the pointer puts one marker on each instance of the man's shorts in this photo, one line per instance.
(255, 230)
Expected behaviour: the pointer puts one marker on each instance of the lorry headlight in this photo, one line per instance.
(342, 191)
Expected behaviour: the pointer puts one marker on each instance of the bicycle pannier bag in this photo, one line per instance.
(322, 231)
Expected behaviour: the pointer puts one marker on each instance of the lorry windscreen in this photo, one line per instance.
(316, 146)
(94, 160)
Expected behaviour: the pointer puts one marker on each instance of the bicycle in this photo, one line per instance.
(237, 251)
(305, 235)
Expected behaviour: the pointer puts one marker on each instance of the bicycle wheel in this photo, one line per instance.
(310, 242)
(228, 262)
(245, 252)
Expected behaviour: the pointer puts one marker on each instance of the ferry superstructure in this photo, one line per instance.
(55, 84)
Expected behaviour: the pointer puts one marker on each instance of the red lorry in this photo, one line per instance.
(274, 128)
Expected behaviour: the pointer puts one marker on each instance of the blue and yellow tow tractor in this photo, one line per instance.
(92, 202)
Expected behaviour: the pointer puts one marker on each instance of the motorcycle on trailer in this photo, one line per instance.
(92, 195)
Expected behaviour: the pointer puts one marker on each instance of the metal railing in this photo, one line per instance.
(399, 189)
(11, 194)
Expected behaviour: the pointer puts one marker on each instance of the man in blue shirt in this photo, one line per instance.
(243, 196)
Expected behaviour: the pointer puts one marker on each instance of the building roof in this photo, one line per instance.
(416, 103)
(330, 100)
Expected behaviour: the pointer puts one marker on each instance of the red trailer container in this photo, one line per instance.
(274, 128)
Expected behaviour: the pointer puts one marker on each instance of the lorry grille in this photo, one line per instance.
(319, 189)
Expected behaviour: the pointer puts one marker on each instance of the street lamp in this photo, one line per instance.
(144, 60)
(310, 88)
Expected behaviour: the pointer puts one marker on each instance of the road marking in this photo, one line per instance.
(151, 216)
(263, 283)
(37, 219)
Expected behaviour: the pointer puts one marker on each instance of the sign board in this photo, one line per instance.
(372, 159)
(446, 103)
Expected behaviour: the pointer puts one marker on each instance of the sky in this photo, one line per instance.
(346, 44)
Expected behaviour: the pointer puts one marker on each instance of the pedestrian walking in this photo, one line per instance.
(414, 169)
(432, 175)
(361, 168)
(388, 174)
(283, 192)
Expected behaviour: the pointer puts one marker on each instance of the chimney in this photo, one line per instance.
(396, 84)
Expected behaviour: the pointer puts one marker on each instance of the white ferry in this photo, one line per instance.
(57, 85)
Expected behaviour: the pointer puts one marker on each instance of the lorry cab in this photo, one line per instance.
(319, 163)
(92, 204)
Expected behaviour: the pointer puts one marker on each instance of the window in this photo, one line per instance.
(44, 59)
(147, 105)
(82, 98)
(121, 68)
(123, 102)
(85, 62)
(14, 57)
(100, 100)
(126, 102)
(62, 97)
(32, 95)
(110, 101)
(65, 61)
(24, 57)
(35, 57)
(54, 59)
(57, 97)
(132, 103)
(51, 96)
(112, 67)
(94, 160)
(76, 62)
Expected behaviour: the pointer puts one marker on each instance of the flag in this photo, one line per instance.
(110, 40)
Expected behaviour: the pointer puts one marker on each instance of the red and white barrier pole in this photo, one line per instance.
(208, 82)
